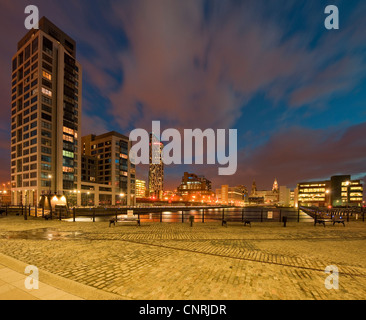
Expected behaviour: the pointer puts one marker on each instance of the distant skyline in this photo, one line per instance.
(295, 91)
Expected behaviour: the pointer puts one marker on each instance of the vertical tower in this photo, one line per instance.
(45, 115)
(156, 168)
(254, 190)
(275, 186)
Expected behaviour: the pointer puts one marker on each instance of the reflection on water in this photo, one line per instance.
(211, 215)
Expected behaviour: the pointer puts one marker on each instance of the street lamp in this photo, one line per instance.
(50, 177)
(122, 195)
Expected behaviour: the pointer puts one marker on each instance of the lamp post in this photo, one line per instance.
(50, 177)
(122, 195)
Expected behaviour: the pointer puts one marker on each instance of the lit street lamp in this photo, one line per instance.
(122, 195)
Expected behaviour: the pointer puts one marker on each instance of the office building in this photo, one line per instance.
(234, 196)
(46, 103)
(156, 168)
(108, 176)
(140, 189)
(195, 188)
(339, 191)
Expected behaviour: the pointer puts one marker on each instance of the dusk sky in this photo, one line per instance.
(295, 91)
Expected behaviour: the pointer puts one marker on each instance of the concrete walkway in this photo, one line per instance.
(12, 287)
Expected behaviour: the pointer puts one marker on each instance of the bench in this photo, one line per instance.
(319, 221)
(338, 220)
(246, 222)
(130, 218)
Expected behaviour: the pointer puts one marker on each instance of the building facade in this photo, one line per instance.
(46, 105)
(140, 189)
(234, 196)
(339, 191)
(108, 176)
(156, 168)
(195, 188)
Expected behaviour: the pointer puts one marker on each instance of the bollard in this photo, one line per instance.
(161, 216)
(25, 213)
(35, 211)
(74, 214)
(284, 219)
(182, 216)
(191, 219)
(203, 215)
(94, 215)
(298, 215)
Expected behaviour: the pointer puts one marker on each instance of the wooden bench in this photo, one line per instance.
(319, 221)
(338, 220)
(130, 218)
(246, 222)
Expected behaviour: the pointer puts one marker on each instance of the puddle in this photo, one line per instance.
(41, 234)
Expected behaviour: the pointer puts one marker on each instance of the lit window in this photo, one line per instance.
(46, 75)
(47, 92)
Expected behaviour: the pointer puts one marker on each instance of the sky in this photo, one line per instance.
(295, 91)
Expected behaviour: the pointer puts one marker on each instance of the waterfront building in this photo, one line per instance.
(108, 176)
(140, 188)
(46, 105)
(340, 190)
(195, 188)
(156, 168)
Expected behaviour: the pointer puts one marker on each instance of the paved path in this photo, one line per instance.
(174, 261)
(12, 287)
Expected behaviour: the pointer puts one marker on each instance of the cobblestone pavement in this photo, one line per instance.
(207, 261)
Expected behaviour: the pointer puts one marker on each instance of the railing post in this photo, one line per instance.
(25, 212)
(161, 216)
(203, 215)
(94, 215)
(35, 211)
(182, 216)
(74, 214)
(298, 214)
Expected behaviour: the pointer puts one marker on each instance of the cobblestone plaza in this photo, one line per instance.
(175, 261)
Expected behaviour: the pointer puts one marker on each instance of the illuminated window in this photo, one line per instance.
(46, 92)
(68, 154)
(68, 131)
(68, 138)
(46, 75)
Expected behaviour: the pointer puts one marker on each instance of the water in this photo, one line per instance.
(253, 214)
